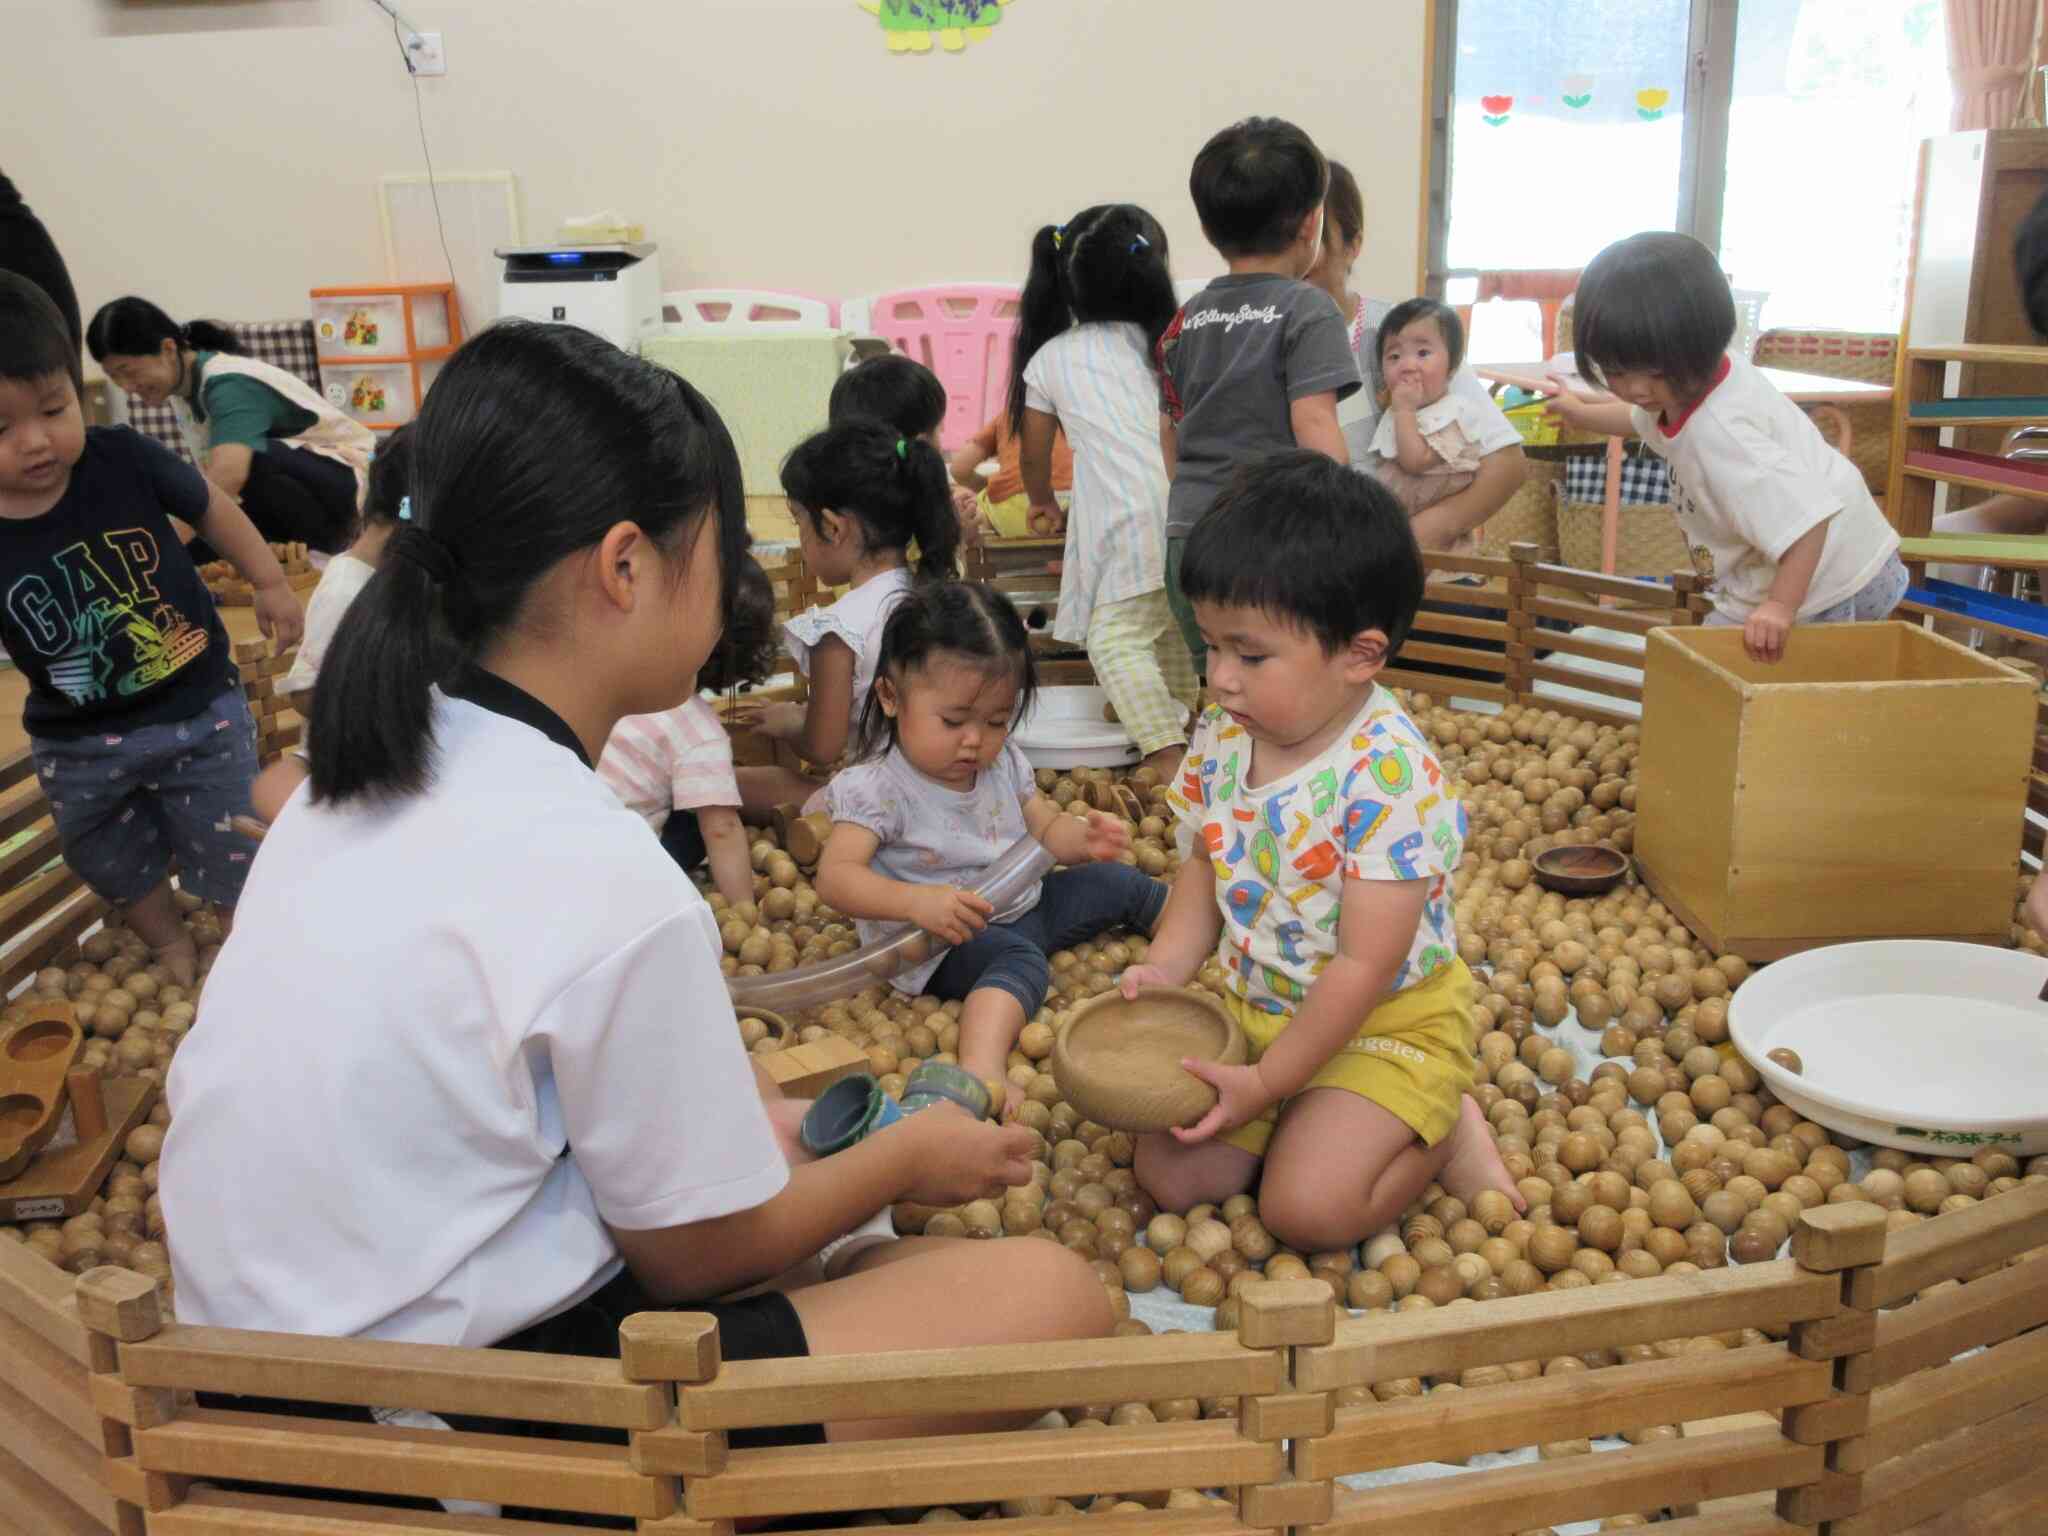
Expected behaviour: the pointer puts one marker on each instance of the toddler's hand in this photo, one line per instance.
(1566, 404)
(1763, 636)
(1107, 836)
(962, 1158)
(1406, 394)
(1136, 976)
(279, 616)
(949, 913)
(1241, 1098)
(967, 514)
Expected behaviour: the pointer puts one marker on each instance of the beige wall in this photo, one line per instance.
(222, 156)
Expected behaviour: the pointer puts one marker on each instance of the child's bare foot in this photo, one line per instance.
(180, 957)
(1475, 1159)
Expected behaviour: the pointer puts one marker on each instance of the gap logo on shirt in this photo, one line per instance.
(99, 622)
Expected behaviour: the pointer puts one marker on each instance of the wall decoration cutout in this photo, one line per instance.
(1576, 91)
(1496, 108)
(912, 26)
(1650, 104)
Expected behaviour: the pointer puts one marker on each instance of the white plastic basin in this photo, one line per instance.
(1931, 1047)
(1065, 729)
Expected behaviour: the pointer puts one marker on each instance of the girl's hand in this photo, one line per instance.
(1241, 1097)
(960, 1158)
(968, 514)
(1050, 513)
(279, 616)
(1136, 976)
(1108, 836)
(782, 722)
(1763, 636)
(949, 913)
(1567, 405)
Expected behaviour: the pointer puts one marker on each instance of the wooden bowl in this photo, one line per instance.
(1118, 1062)
(778, 1026)
(1581, 869)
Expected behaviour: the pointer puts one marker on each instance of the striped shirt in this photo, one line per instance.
(1097, 379)
(677, 760)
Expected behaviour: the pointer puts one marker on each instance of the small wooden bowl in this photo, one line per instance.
(778, 1026)
(1581, 869)
(1118, 1062)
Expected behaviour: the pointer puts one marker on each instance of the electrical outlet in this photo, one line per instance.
(424, 50)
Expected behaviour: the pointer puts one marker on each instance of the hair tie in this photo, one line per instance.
(414, 545)
(405, 509)
(1139, 243)
(1059, 236)
(902, 449)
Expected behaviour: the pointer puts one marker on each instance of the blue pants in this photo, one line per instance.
(1073, 905)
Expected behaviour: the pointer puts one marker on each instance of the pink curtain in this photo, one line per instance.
(1990, 47)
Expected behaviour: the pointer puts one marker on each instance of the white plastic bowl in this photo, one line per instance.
(1930, 1047)
(1065, 729)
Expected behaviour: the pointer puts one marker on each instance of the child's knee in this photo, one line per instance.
(1074, 1302)
(1316, 1220)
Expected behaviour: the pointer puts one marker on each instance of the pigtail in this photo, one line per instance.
(1043, 311)
(372, 724)
(1119, 271)
(895, 487)
(930, 503)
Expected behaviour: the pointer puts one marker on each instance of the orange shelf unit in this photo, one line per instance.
(381, 344)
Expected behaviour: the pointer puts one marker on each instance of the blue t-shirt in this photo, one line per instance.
(100, 605)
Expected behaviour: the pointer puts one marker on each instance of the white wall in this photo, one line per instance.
(222, 156)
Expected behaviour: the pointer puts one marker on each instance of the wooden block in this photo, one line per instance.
(1273, 1506)
(437, 1378)
(1938, 1402)
(120, 1303)
(377, 1458)
(88, 1104)
(1939, 1328)
(1275, 1313)
(1502, 1501)
(805, 1071)
(1833, 1496)
(1585, 1404)
(669, 1346)
(1942, 1474)
(679, 1452)
(1832, 1418)
(997, 1378)
(955, 1468)
(1835, 1237)
(1290, 1416)
(1387, 1347)
(1830, 1338)
(1953, 1246)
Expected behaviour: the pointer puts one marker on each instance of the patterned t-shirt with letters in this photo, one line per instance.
(1376, 805)
(101, 606)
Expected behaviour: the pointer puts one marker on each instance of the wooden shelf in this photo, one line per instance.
(1926, 423)
(2005, 552)
(1981, 471)
(1978, 352)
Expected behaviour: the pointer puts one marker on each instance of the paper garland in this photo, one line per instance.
(912, 26)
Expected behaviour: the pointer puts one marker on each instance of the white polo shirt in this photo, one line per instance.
(1750, 475)
(449, 1041)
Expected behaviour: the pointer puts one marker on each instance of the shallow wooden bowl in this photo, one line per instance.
(778, 1026)
(1581, 869)
(1118, 1062)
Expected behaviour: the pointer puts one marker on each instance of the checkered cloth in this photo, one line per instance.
(1645, 481)
(286, 344)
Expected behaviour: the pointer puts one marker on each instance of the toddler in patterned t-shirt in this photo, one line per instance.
(1330, 833)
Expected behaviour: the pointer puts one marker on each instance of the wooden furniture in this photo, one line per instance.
(1925, 412)
(381, 345)
(1824, 797)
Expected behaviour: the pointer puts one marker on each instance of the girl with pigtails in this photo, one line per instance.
(1099, 297)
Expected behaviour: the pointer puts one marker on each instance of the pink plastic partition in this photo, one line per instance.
(963, 332)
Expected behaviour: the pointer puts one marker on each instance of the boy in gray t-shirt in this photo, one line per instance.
(1256, 362)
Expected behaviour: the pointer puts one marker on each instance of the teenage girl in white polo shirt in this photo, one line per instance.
(468, 1074)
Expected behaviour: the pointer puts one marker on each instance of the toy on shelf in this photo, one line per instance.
(380, 346)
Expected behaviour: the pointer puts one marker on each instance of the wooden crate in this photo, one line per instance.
(1869, 785)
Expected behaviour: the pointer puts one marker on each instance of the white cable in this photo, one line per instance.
(393, 12)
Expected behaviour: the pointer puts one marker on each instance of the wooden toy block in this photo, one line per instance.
(1832, 1237)
(1282, 1312)
(669, 1346)
(805, 1071)
(120, 1303)
(679, 1452)
(62, 1183)
(1830, 1338)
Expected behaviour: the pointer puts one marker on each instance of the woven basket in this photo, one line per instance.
(1528, 517)
(1648, 540)
(1869, 356)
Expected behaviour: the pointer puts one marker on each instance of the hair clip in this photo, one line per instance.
(1059, 236)
(405, 509)
(1139, 243)
(902, 449)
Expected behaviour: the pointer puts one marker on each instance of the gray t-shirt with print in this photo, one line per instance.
(1236, 357)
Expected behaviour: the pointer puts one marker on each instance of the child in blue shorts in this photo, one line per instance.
(135, 714)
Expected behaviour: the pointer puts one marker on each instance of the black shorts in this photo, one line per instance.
(763, 1327)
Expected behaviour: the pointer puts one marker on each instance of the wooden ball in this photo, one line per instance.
(1202, 1287)
(1551, 1249)
(1368, 1290)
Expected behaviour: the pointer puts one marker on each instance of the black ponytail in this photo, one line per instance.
(133, 327)
(533, 444)
(961, 619)
(1107, 263)
(895, 487)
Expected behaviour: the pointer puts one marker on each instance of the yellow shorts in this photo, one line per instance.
(1009, 517)
(1414, 1057)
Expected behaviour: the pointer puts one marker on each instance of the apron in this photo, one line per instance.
(332, 435)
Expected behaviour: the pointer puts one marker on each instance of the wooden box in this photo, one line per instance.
(1870, 785)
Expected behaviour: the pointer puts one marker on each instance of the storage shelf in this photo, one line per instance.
(1982, 471)
(428, 355)
(1979, 352)
(1935, 423)
(2005, 552)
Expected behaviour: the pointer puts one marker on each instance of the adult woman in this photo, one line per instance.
(296, 464)
(508, 1104)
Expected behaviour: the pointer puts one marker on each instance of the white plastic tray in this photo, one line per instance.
(1065, 729)
(1931, 1047)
